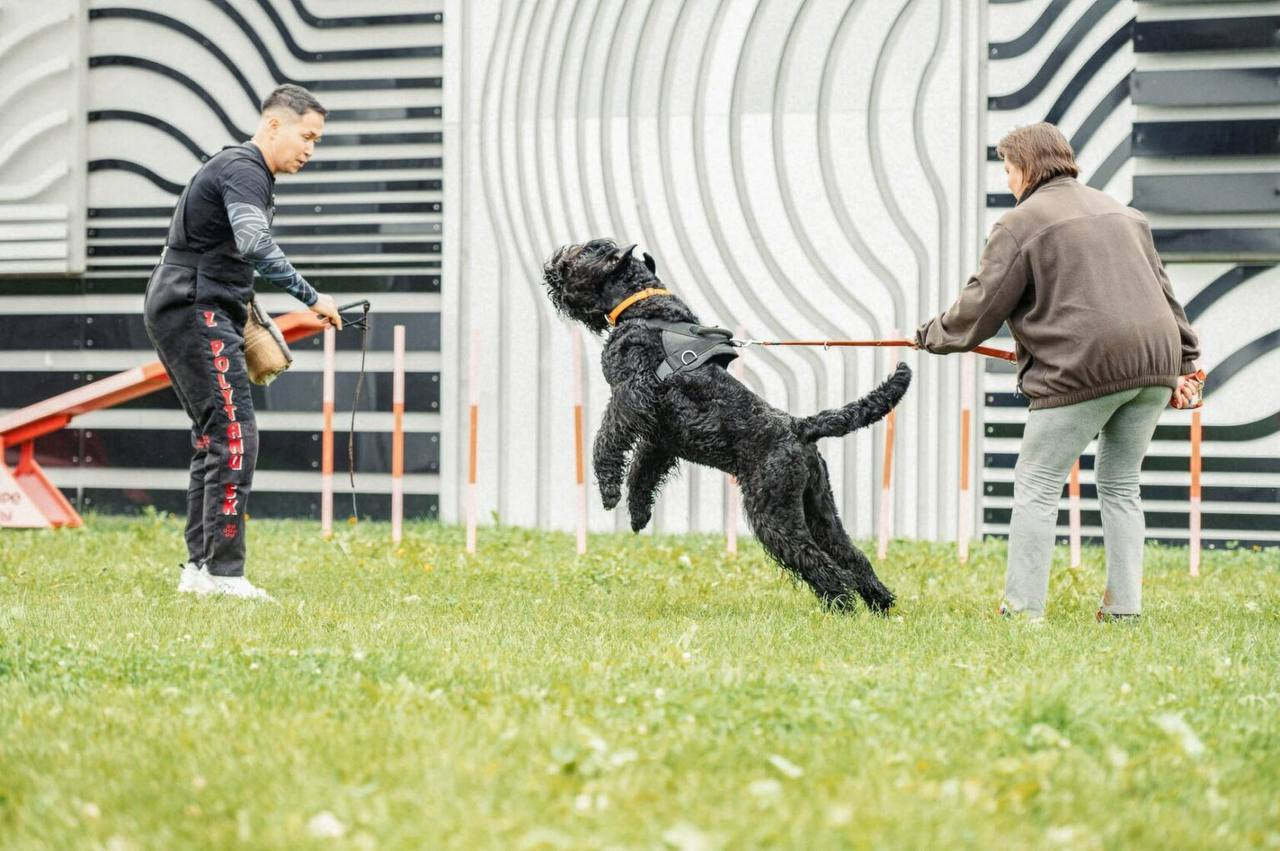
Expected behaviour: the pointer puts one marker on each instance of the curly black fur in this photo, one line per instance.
(708, 417)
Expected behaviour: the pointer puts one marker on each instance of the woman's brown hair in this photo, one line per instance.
(1040, 151)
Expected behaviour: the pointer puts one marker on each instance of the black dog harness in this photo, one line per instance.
(688, 347)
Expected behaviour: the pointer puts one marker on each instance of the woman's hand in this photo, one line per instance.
(1188, 392)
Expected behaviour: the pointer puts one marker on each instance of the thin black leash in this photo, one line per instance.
(363, 324)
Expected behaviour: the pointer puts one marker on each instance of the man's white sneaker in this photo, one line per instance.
(195, 580)
(238, 586)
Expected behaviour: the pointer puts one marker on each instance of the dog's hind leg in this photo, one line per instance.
(823, 520)
(774, 504)
(650, 466)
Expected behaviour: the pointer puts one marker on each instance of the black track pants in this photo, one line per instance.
(201, 344)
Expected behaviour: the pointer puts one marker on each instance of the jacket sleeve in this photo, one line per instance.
(255, 242)
(246, 194)
(1190, 340)
(986, 301)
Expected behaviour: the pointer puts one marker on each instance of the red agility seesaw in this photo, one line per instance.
(27, 498)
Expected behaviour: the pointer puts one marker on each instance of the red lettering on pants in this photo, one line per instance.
(230, 500)
(222, 382)
(233, 431)
(235, 462)
(208, 320)
(221, 364)
(227, 394)
(217, 346)
(230, 411)
(236, 447)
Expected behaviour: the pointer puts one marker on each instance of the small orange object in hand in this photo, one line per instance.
(1189, 393)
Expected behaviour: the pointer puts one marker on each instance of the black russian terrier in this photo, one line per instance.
(672, 398)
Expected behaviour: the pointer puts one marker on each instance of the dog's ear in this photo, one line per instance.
(650, 263)
(620, 256)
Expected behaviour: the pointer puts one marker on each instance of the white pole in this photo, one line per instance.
(1195, 493)
(578, 440)
(965, 515)
(473, 392)
(326, 436)
(1073, 513)
(731, 482)
(397, 435)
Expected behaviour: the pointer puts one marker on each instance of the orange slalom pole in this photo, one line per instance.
(731, 482)
(473, 392)
(966, 425)
(326, 435)
(886, 501)
(580, 467)
(1073, 513)
(397, 435)
(1195, 493)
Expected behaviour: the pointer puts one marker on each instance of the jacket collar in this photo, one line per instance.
(1053, 181)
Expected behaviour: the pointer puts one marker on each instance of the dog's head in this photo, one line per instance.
(588, 280)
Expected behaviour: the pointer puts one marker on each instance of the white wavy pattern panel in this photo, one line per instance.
(172, 83)
(41, 138)
(797, 168)
(1067, 62)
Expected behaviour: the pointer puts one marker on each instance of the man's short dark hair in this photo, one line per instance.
(295, 98)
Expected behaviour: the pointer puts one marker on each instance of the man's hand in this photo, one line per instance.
(327, 309)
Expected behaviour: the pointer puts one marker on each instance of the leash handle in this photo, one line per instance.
(363, 321)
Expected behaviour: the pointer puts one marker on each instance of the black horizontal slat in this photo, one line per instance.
(1228, 493)
(1251, 33)
(1161, 463)
(346, 186)
(1207, 87)
(322, 164)
(1255, 430)
(144, 267)
(1163, 520)
(1223, 542)
(1258, 192)
(365, 20)
(337, 283)
(1230, 243)
(293, 391)
(330, 208)
(277, 450)
(385, 113)
(117, 331)
(362, 228)
(262, 504)
(1235, 138)
(296, 249)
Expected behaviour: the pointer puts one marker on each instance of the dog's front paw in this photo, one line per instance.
(610, 495)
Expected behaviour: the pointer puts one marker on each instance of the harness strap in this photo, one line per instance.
(688, 346)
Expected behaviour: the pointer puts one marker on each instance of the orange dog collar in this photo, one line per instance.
(632, 299)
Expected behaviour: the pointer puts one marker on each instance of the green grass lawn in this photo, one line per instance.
(652, 694)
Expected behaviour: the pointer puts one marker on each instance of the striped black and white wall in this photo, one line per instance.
(798, 168)
(1173, 107)
(162, 86)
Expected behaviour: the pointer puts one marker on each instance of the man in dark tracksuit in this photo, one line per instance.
(195, 308)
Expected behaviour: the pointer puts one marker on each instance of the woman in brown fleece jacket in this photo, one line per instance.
(1102, 346)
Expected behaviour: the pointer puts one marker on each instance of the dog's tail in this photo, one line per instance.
(871, 408)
